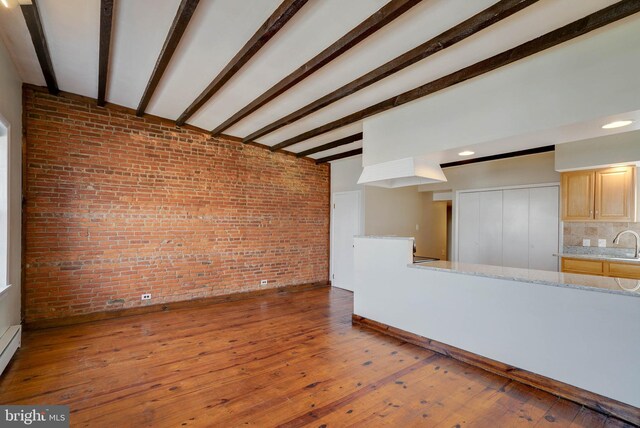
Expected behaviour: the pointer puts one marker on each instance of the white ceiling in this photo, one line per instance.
(218, 30)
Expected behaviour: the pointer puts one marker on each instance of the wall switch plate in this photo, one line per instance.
(417, 227)
(602, 243)
(145, 297)
(264, 282)
(586, 242)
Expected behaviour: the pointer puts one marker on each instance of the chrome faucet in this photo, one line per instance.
(616, 240)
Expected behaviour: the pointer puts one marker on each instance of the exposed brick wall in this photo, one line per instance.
(118, 206)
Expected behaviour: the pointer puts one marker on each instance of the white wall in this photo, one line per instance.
(532, 169)
(588, 339)
(395, 212)
(11, 112)
(591, 77)
(344, 178)
(598, 152)
(434, 227)
(345, 174)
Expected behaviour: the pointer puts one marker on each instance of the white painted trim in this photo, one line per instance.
(10, 341)
(360, 224)
(454, 237)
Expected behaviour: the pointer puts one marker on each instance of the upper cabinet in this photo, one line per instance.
(578, 195)
(602, 194)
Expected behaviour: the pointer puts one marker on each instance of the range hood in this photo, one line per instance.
(402, 173)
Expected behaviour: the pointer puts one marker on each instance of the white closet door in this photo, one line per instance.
(468, 227)
(543, 228)
(346, 225)
(515, 228)
(490, 236)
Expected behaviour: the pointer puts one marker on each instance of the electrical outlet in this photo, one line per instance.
(602, 243)
(586, 242)
(264, 282)
(145, 297)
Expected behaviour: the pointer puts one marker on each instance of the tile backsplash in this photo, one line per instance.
(575, 232)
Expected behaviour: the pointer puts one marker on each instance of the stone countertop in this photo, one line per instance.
(386, 237)
(627, 287)
(599, 257)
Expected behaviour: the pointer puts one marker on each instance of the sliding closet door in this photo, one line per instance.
(515, 228)
(543, 228)
(469, 227)
(511, 227)
(490, 245)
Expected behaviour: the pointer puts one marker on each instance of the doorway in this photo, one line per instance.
(345, 224)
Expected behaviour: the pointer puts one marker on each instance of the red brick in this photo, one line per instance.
(118, 206)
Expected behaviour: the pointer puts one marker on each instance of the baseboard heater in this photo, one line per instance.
(9, 343)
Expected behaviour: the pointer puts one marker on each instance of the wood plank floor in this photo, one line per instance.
(289, 360)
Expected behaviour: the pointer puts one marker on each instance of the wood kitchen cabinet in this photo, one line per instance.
(603, 194)
(601, 268)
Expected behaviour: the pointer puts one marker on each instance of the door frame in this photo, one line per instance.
(359, 196)
(454, 238)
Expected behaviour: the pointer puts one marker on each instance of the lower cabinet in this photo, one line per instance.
(601, 267)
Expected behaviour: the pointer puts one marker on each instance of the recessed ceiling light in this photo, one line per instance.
(466, 153)
(617, 124)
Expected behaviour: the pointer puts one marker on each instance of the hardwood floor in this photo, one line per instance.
(289, 360)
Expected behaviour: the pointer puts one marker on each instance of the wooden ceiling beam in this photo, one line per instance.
(471, 26)
(177, 29)
(276, 21)
(34, 24)
(508, 155)
(106, 23)
(378, 20)
(348, 154)
(332, 145)
(570, 31)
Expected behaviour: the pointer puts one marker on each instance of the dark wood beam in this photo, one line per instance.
(379, 19)
(178, 27)
(34, 24)
(106, 21)
(508, 155)
(471, 26)
(332, 145)
(348, 154)
(577, 28)
(276, 21)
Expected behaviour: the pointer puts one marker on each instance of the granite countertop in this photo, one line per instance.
(385, 237)
(627, 287)
(613, 258)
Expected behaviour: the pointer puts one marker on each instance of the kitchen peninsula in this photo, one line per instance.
(567, 333)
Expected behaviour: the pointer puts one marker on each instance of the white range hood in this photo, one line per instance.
(402, 173)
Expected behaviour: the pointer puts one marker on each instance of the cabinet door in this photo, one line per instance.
(588, 267)
(490, 236)
(515, 228)
(615, 194)
(468, 227)
(544, 228)
(624, 270)
(577, 195)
